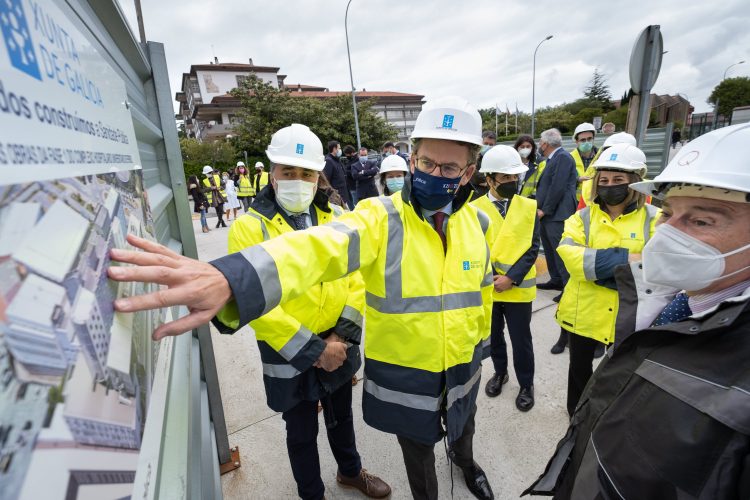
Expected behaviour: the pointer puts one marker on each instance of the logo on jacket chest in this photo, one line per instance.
(471, 264)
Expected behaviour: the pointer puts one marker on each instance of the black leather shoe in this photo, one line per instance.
(525, 398)
(550, 285)
(495, 385)
(476, 481)
(560, 345)
(557, 298)
(599, 351)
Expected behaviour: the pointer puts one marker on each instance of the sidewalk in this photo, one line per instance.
(512, 447)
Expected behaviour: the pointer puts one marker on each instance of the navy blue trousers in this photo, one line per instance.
(302, 445)
(518, 317)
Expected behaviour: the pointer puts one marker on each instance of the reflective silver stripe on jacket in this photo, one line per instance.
(352, 315)
(295, 344)
(463, 390)
(352, 249)
(280, 371)
(585, 215)
(268, 274)
(394, 302)
(262, 224)
(415, 401)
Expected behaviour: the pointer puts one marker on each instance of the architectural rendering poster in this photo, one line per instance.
(75, 376)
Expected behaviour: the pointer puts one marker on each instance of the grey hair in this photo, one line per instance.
(553, 137)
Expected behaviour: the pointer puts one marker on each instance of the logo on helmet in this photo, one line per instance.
(300, 149)
(613, 157)
(447, 121)
(688, 158)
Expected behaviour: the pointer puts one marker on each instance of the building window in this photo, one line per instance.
(241, 79)
(194, 87)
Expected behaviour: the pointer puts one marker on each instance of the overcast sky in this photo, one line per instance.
(479, 49)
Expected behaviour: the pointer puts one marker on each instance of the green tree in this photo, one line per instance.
(731, 93)
(555, 117)
(598, 91)
(617, 116)
(265, 109)
(220, 154)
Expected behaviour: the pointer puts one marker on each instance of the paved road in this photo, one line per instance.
(511, 446)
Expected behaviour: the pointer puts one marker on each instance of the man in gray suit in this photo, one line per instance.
(556, 200)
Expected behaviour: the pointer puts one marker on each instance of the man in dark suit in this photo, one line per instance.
(556, 199)
(364, 171)
(334, 172)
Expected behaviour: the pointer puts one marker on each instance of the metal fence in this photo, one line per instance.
(193, 438)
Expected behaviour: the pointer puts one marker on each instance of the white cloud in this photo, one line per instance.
(481, 49)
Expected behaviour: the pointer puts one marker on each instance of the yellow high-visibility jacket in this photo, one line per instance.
(261, 181)
(428, 310)
(287, 334)
(513, 237)
(587, 186)
(592, 246)
(530, 182)
(587, 172)
(245, 187)
(209, 192)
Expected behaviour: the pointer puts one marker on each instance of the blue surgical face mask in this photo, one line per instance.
(363, 158)
(434, 192)
(394, 184)
(338, 153)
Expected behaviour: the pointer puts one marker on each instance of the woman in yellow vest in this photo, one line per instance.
(526, 147)
(213, 186)
(610, 232)
(515, 232)
(245, 189)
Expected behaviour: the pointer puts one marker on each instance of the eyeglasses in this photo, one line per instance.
(449, 170)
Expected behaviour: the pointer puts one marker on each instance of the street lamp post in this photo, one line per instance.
(730, 67)
(351, 76)
(716, 106)
(533, 87)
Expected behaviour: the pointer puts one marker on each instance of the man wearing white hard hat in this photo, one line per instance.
(585, 151)
(423, 253)
(667, 413)
(513, 253)
(293, 374)
(261, 177)
(213, 187)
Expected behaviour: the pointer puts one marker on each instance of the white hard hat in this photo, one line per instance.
(258, 164)
(240, 164)
(502, 159)
(393, 163)
(623, 157)
(449, 118)
(207, 169)
(296, 146)
(584, 127)
(712, 160)
(619, 138)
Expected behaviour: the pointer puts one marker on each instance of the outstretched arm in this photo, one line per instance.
(264, 275)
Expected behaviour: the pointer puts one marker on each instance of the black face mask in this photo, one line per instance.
(613, 195)
(507, 189)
